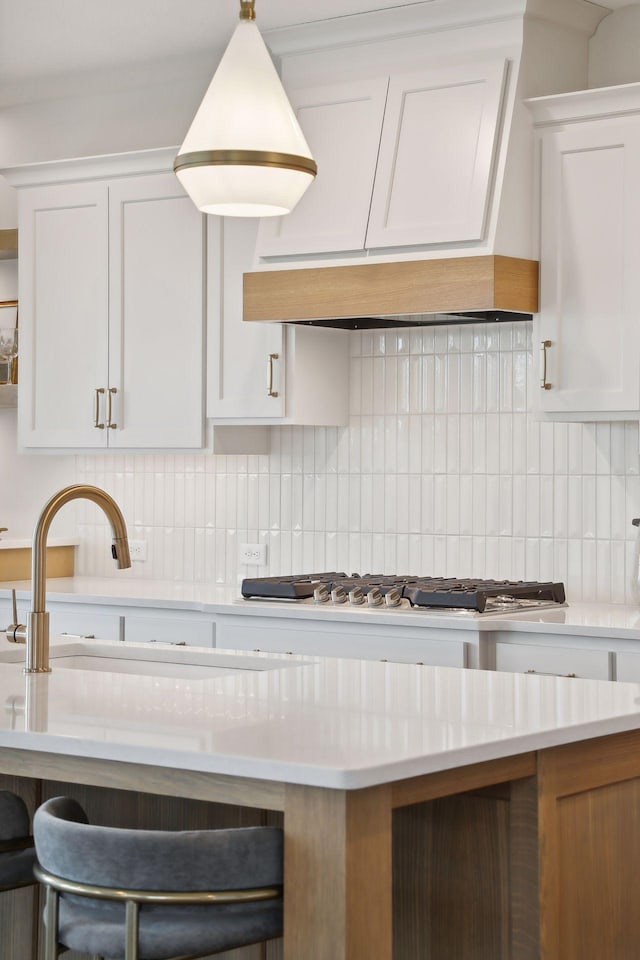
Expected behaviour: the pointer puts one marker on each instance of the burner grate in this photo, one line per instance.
(465, 594)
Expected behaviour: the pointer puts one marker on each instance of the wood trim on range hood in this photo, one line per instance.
(457, 285)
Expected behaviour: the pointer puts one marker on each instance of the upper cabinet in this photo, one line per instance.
(402, 160)
(587, 330)
(111, 315)
(266, 373)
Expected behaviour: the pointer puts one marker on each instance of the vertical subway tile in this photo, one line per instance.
(617, 449)
(402, 443)
(546, 506)
(603, 448)
(439, 444)
(439, 505)
(466, 443)
(603, 507)
(492, 437)
(415, 384)
(589, 507)
(492, 507)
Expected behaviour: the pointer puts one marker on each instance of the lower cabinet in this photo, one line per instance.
(64, 618)
(166, 627)
(628, 667)
(551, 660)
(349, 641)
(133, 624)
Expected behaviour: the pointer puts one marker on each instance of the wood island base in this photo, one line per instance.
(532, 857)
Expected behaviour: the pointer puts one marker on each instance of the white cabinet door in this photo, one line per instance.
(436, 161)
(342, 124)
(63, 233)
(589, 267)
(264, 372)
(156, 314)
(240, 356)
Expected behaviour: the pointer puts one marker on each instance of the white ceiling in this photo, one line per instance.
(62, 37)
(41, 39)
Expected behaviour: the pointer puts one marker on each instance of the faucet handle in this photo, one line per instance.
(15, 632)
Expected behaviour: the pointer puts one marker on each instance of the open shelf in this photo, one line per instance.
(8, 244)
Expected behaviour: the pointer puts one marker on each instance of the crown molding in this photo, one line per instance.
(581, 105)
(432, 16)
(159, 160)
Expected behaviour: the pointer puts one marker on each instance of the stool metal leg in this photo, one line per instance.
(51, 924)
(131, 935)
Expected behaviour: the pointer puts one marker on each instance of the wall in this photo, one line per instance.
(613, 49)
(443, 470)
(27, 481)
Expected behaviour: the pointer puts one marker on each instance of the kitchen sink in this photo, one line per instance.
(151, 659)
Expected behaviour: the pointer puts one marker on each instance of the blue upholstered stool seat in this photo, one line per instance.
(17, 855)
(166, 931)
(120, 872)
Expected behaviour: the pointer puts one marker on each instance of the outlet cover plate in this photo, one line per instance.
(253, 554)
(138, 550)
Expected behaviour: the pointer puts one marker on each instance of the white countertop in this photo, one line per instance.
(334, 723)
(609, 620)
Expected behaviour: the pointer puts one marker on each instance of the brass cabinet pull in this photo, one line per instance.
(96, 423)
(270, 391)
(541, 673)
(544, 384)
(110, 393)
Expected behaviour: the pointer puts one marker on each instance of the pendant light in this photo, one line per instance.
(245, 154)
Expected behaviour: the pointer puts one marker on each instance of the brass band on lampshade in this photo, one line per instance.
(245, 158)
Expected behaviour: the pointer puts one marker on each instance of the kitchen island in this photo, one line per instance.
(429, 812)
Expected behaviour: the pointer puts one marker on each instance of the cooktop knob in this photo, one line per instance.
(374, 597)
(356, 596)
(393, 597)
(321, 594)
(338, 595)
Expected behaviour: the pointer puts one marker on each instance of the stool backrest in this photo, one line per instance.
(14, 819)
(227, 859)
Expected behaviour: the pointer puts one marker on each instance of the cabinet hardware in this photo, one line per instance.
(96, 419)
(110, 393)
(544, 384)
(270, 391)
(541, 673)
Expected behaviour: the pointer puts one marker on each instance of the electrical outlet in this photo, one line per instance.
(138, 550)
(253, 554)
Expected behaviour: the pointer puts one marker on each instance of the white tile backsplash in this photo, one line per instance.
(444, 469)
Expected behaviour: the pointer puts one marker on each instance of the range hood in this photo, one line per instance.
(485, 270)
(361, 296)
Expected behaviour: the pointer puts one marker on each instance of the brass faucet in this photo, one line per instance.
(36, 636)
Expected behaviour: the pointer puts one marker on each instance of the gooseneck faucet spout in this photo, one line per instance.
(37, 632)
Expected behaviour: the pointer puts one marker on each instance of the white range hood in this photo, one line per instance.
(487, 274)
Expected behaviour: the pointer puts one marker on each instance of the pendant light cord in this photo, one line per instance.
(247, 9)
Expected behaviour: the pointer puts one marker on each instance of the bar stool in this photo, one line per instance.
(154, 894)
(17, 855)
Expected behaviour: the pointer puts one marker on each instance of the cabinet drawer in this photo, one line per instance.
(336, 642)
(168, 629)
(81, 623)
(628, 667)
(558, 661)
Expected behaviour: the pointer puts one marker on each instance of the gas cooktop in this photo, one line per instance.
(387, 592)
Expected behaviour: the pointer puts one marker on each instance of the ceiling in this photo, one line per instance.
(64, 37)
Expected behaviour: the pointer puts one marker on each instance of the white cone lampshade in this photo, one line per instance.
(245, 154)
